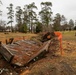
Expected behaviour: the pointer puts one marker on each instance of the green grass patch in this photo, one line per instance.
(69, 35)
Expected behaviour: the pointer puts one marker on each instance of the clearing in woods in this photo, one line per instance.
(51, 64)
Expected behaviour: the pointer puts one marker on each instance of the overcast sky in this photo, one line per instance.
(64, 7)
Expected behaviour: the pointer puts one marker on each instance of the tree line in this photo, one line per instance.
(27, 19)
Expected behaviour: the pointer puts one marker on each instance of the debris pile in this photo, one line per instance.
(23, 52)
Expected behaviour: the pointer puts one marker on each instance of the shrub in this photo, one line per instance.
(23, 28)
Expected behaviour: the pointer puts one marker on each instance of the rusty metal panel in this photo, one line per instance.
(22, 52)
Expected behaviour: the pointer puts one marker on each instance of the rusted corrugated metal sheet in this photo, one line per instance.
(22, 52)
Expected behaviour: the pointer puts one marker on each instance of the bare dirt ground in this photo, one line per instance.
(55, 64)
